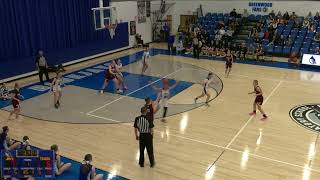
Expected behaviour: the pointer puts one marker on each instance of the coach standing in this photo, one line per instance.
(42, 66)
(143, 130)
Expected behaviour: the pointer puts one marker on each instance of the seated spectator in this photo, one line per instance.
(233, 13)
(317, 37)
(293, 59)
(259, 53)
(251, 50)
(286, 16)
(312, 28)
(289, 42)
(245, 16)
(279, 40)
(5, 141)
(309, 16)
(293, 15)
(243, 51)
(316, 17)
(279, 15)
(272, 14)
(306, 23)
(25, 144)
(59, 166)
(88, 171)
(4, 92)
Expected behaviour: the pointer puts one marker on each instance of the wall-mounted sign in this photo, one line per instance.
(260, 7)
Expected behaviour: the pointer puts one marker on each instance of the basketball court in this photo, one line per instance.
(198, 142)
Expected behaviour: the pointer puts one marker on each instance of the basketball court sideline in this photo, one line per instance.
(217, 142)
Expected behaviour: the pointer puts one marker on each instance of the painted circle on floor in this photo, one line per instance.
(82, 104)
(307, 116)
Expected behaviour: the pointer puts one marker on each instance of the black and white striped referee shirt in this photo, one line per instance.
(142, 124)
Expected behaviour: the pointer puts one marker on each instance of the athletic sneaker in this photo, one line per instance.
(252, 113)
(264, 117)
(195, 100)
(119, 91)
(101, 91)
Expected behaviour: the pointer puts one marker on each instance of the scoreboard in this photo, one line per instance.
(27, 163)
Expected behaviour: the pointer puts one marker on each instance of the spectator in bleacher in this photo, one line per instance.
(59, 166)
(5, 142)
(245, 16)
(293, 15)
(4, 92)
(251, 50)
(286, 16)
(317, 51)
(279, 40)
(289, 42)
(316, 17)
(88, 171)
(309, 16)
(243, 51)
(306, 23)
(293, 59)
(279, 15)
(259, 53)
(42, 66)
(274, 24)
(317, 37)
(233, 13)
(312, 28)
(272, 15)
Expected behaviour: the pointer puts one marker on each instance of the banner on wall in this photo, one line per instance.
(311, 59)
(148, 8)
(141, 11)
(133, 30)
(260, 7)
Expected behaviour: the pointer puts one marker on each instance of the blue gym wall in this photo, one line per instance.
(64, 29)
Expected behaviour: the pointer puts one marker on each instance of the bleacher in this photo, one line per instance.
(302, 39)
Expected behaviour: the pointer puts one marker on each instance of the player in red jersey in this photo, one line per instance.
(110, 76)
(16, 98)
(258, 100)
(229, 61)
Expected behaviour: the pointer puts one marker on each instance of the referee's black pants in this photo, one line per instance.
(146, 141)
(43, 70)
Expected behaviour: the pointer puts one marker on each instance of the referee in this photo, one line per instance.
(144, 136)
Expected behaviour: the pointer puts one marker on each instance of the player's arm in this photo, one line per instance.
(155, 88)
(136, 129)
(232, 58)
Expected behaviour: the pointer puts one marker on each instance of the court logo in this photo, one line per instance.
(307, 116)
(312, 60)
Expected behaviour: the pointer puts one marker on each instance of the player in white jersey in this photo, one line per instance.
(120, 76)
(145, 60)
(56, 88)
(205, 89)
(164, 96)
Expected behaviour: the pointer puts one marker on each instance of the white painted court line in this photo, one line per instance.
(249, 120)
(105, 118)
(90, 112)
(246, 124)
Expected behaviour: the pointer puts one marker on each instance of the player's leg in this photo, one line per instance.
(198, 97)
(104, 85)
(164, 115)
(208, 97)
(254, 109)
(17, 112)
(55, 98)
(59, 97)
(261, 111)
